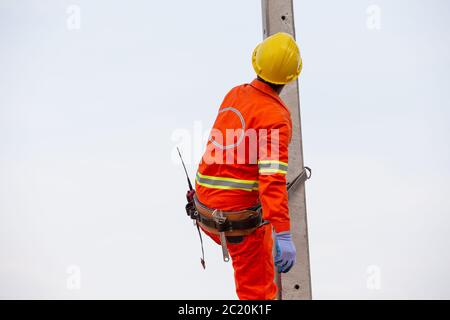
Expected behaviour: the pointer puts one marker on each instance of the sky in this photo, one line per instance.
(95, 96)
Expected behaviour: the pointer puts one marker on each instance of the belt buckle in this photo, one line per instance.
(218, 216)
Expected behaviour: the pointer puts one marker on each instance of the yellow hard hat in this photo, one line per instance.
(277, 59)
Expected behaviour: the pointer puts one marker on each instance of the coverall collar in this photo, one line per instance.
(265, 88)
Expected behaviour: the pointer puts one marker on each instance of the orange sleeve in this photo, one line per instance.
(272, 167)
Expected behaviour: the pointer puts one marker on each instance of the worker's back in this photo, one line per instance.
(251, 119)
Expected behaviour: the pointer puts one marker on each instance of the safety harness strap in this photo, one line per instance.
(228, 225)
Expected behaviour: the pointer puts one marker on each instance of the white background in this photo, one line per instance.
(89, 118)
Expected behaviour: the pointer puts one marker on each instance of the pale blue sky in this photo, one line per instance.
(87, 119)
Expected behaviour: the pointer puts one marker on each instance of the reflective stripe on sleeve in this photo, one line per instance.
(272, 166)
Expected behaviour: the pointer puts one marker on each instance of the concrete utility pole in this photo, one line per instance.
(278, 15)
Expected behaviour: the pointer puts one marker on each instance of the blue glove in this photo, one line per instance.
(285, 257)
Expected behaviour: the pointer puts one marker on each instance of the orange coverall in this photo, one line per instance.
(258, 176)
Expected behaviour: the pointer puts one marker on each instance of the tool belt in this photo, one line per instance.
(231, 223)
(231, 226)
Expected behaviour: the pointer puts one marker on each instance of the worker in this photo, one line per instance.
(231, 184)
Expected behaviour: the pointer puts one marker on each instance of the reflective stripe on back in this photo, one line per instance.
(226, 183)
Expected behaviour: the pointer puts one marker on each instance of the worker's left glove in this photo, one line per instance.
(285, 257)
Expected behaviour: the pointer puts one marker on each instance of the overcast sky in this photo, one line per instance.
(92, 106)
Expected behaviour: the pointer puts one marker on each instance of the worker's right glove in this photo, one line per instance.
(285, 257)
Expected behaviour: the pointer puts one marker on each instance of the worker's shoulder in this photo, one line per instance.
(266, 108)
(233, 94)
(271, 112)
(272, 115)
(238, 88)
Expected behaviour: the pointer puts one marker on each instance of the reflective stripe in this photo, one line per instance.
(226, 183)
(272, 166)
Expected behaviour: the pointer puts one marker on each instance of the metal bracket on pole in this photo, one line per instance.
(278, 15)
